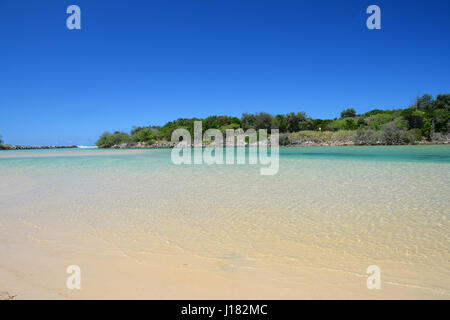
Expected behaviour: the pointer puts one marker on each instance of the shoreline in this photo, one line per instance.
(170, 145)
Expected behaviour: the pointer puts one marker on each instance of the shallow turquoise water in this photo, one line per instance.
(434, 153)
(328, 208)
(93, 157)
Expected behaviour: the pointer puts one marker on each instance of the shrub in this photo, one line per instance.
(108, 140)
(439, 137)
(367, 136)
(392, 134)
(321, 136)
(146, 134)
(284, 139)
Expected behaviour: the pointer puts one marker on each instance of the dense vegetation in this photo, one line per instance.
(427, 118)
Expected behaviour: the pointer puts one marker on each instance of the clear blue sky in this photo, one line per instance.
(148, 62)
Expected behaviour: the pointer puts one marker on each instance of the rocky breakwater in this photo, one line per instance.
(14, 147)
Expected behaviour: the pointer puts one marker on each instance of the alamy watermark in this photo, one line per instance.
(74, 280)
(374, 279)
(374, 20)
(211, 147)
(74, 20)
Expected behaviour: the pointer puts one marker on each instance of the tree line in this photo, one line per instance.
(427, 118)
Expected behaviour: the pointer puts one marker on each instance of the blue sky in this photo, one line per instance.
(148, 62)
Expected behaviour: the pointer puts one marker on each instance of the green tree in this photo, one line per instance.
(426, 118)
(108, 140)
(414, 118)
(293, 121)
(215, 122)
(248, 121)
(263, 121)
(236, 120)
(350, 124)
(441, 120)
(424, 102)
(348, 113)
(442, 101)
(373, 112)
(361, 123)
(279, 123)
(145, 134)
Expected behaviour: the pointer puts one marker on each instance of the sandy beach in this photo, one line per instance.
(140, 227)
